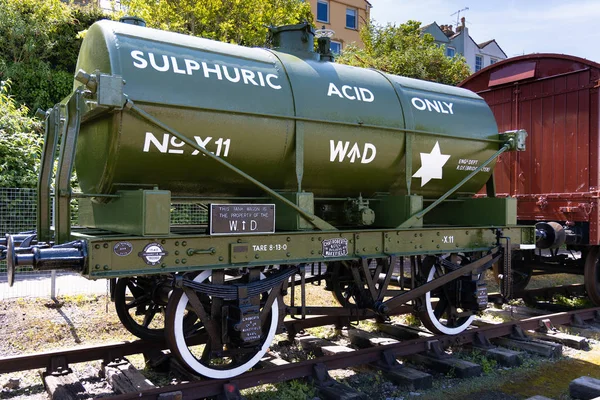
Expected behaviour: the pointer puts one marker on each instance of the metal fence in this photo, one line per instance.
(18, 213)
(189, 214)
(17, 210)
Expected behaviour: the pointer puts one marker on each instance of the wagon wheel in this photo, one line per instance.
(344, 288)
(521, 271)
(210, 357)
(441, 314)
(592, 275)
(140, 305)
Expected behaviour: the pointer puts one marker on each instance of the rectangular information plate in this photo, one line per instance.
(337, 247)
(242, 219)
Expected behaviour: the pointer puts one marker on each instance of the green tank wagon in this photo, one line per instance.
(311, 171)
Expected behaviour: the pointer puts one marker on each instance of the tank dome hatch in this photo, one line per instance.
(295, 39)
(132, 20)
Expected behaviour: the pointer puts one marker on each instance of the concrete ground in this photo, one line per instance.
(36, 284)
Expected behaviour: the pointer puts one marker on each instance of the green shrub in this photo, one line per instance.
(40, 44)
(66, 37)
(27, 28)
(36, 84)
(20, 143)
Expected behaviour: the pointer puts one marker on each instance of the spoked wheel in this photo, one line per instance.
(139, 307)
(521, 271)
(441, 314)
(221, 352)
(141, 302)
(592, 275)
(343, 286)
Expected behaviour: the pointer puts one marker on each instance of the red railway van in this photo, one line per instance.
(556, 181)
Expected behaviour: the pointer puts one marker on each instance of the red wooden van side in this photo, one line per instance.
(555, 98)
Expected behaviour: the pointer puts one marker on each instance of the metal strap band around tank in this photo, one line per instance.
(299, 153)
(408, 223)
(408, 138)
(299, 124)
(313, 219)
(51, 135)
(62, 198)
(408, 133)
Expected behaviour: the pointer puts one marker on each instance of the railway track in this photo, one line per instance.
(379, 351)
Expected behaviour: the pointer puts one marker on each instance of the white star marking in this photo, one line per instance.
(431, 165)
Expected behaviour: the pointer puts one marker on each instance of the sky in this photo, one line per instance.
(519, 27)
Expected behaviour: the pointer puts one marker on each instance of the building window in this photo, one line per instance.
(336, 47)
(109, 6)
(450, 51)
(351, 18)
(323, 11)
(478, 63)
(493, 61)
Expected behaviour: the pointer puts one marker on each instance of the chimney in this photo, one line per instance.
(462, 22)
(447, 29)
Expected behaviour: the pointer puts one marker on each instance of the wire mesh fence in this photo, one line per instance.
(18, 213)
(17, 210)
(189, 214)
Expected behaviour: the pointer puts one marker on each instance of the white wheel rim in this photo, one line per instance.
(441, 327)
(189, 358)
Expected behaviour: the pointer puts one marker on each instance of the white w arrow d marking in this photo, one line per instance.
(338, 151)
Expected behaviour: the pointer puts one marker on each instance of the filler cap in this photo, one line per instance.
(294, 39)
(129, 19)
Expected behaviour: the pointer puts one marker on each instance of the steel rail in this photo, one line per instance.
(577, 289)
(343, 316)
(201, 389)
(82, 354)
(281, 373)
(109, 352)
(569, 290)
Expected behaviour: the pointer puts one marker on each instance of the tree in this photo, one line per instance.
(403, 50)
(67, 39)
(243, 22)
(20, 142)
(39, 48)
(26, 27)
